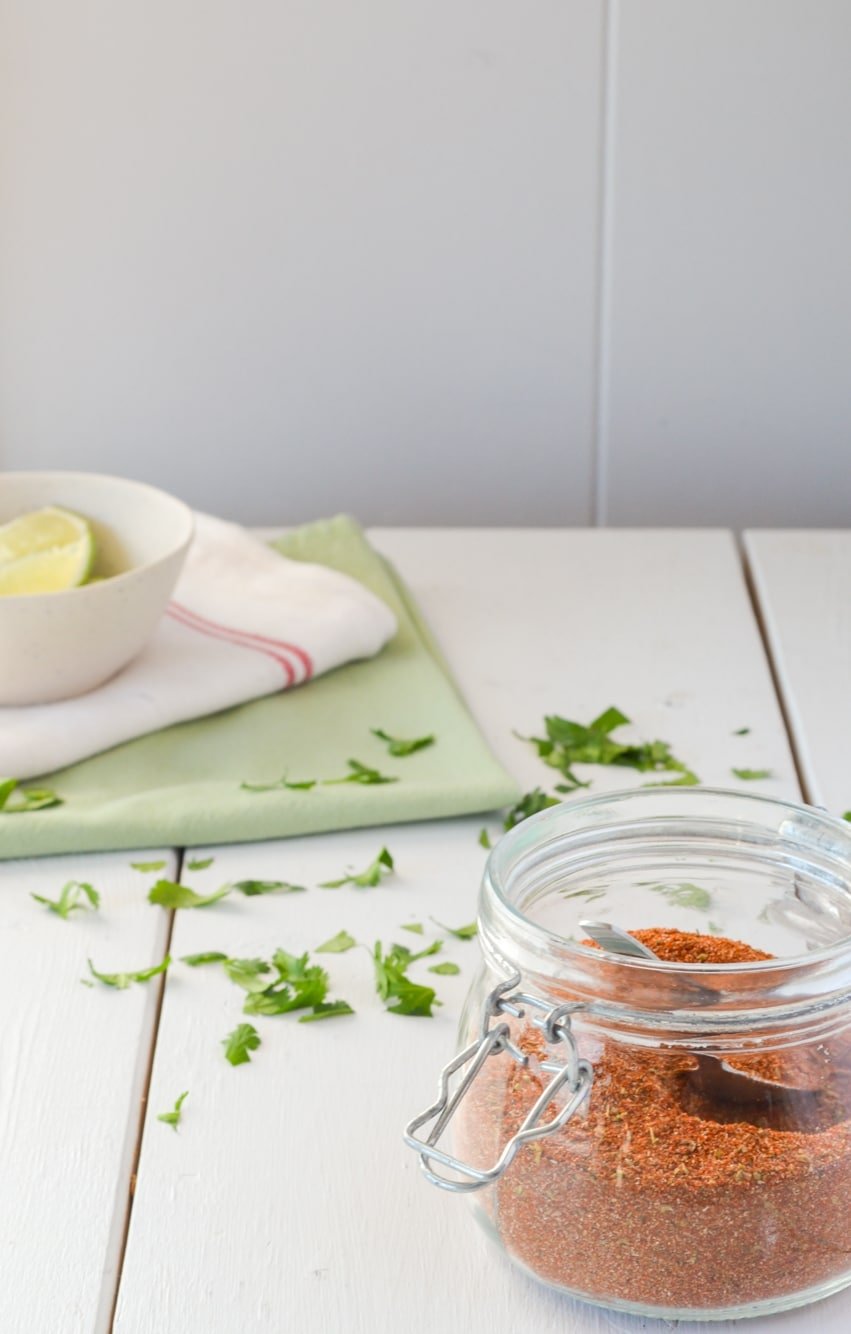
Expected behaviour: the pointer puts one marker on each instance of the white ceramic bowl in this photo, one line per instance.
(57, 645)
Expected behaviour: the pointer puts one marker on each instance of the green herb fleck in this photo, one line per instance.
(147, 866)
(460, 932)
(530, 804)
(304, 785)
(326, 1010)
(367, 879)
(337, 944)
(415, 927)
(250, 974)
(252, 888)
(199, 863)
(398, 746)
(752, 775)
(16, 800)
(714, 929)
(211, 956)
(847, 815)
(70, 898)
(685, 895)
(485, 838)
(173, 1118)
(241, 1043)
(446, 969)
(168, 894)
(121, 981)
(360, 773)
(742, 731)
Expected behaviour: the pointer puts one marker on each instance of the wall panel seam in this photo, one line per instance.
(602, 313)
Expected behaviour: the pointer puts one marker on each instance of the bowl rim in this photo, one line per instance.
(182, 544)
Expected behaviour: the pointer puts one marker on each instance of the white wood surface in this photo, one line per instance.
(803, 583)
(287, 1200)
(73, 1065)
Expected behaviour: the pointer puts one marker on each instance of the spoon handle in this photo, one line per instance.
(616, 940)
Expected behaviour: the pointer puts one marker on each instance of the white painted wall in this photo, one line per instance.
(436, 261)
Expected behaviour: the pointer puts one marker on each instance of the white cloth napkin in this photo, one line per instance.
(243, 622)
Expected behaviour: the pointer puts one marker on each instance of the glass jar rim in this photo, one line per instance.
(509, 935)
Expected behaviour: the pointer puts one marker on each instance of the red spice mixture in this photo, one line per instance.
(654, 1194)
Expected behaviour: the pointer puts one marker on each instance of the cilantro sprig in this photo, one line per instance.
(394, 986)
(288, 982)
(70, 899)
(568, 743)
(382, 866)
(399, 746)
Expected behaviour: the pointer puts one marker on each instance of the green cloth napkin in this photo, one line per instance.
(181, 786)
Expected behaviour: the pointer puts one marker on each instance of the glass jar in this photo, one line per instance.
(670, 1138)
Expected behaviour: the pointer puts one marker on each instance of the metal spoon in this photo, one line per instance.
(713, 1076)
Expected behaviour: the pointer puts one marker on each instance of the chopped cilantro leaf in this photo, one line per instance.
(485, 838)
(367, 879)
(338, 944)
(742, 731)
(173, 1118)
(392, 984)
(415, 927)
(460, 932)
(211, 956)
(529, 804)
(199, 863)
(240, 1043)
(568, 743)
(360, 773)
(446, 969)
(168, 894)
(304, 785)
(326, 1010)
(121, 981)
(15, 800)
(147, 866)
(400, 747)
(752, 775)
(685, 895)
(252, 888)
(70, 898)
(250, 974)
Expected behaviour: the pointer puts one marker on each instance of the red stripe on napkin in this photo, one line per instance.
(221, 632)
(248, 637)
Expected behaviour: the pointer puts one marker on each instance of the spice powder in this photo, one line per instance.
(655, 1195)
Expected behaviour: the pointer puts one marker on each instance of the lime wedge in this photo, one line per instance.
(46, 551)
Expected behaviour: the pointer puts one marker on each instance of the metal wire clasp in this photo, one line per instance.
(574, 1073)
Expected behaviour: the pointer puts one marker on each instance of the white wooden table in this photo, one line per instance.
(286, 1201)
